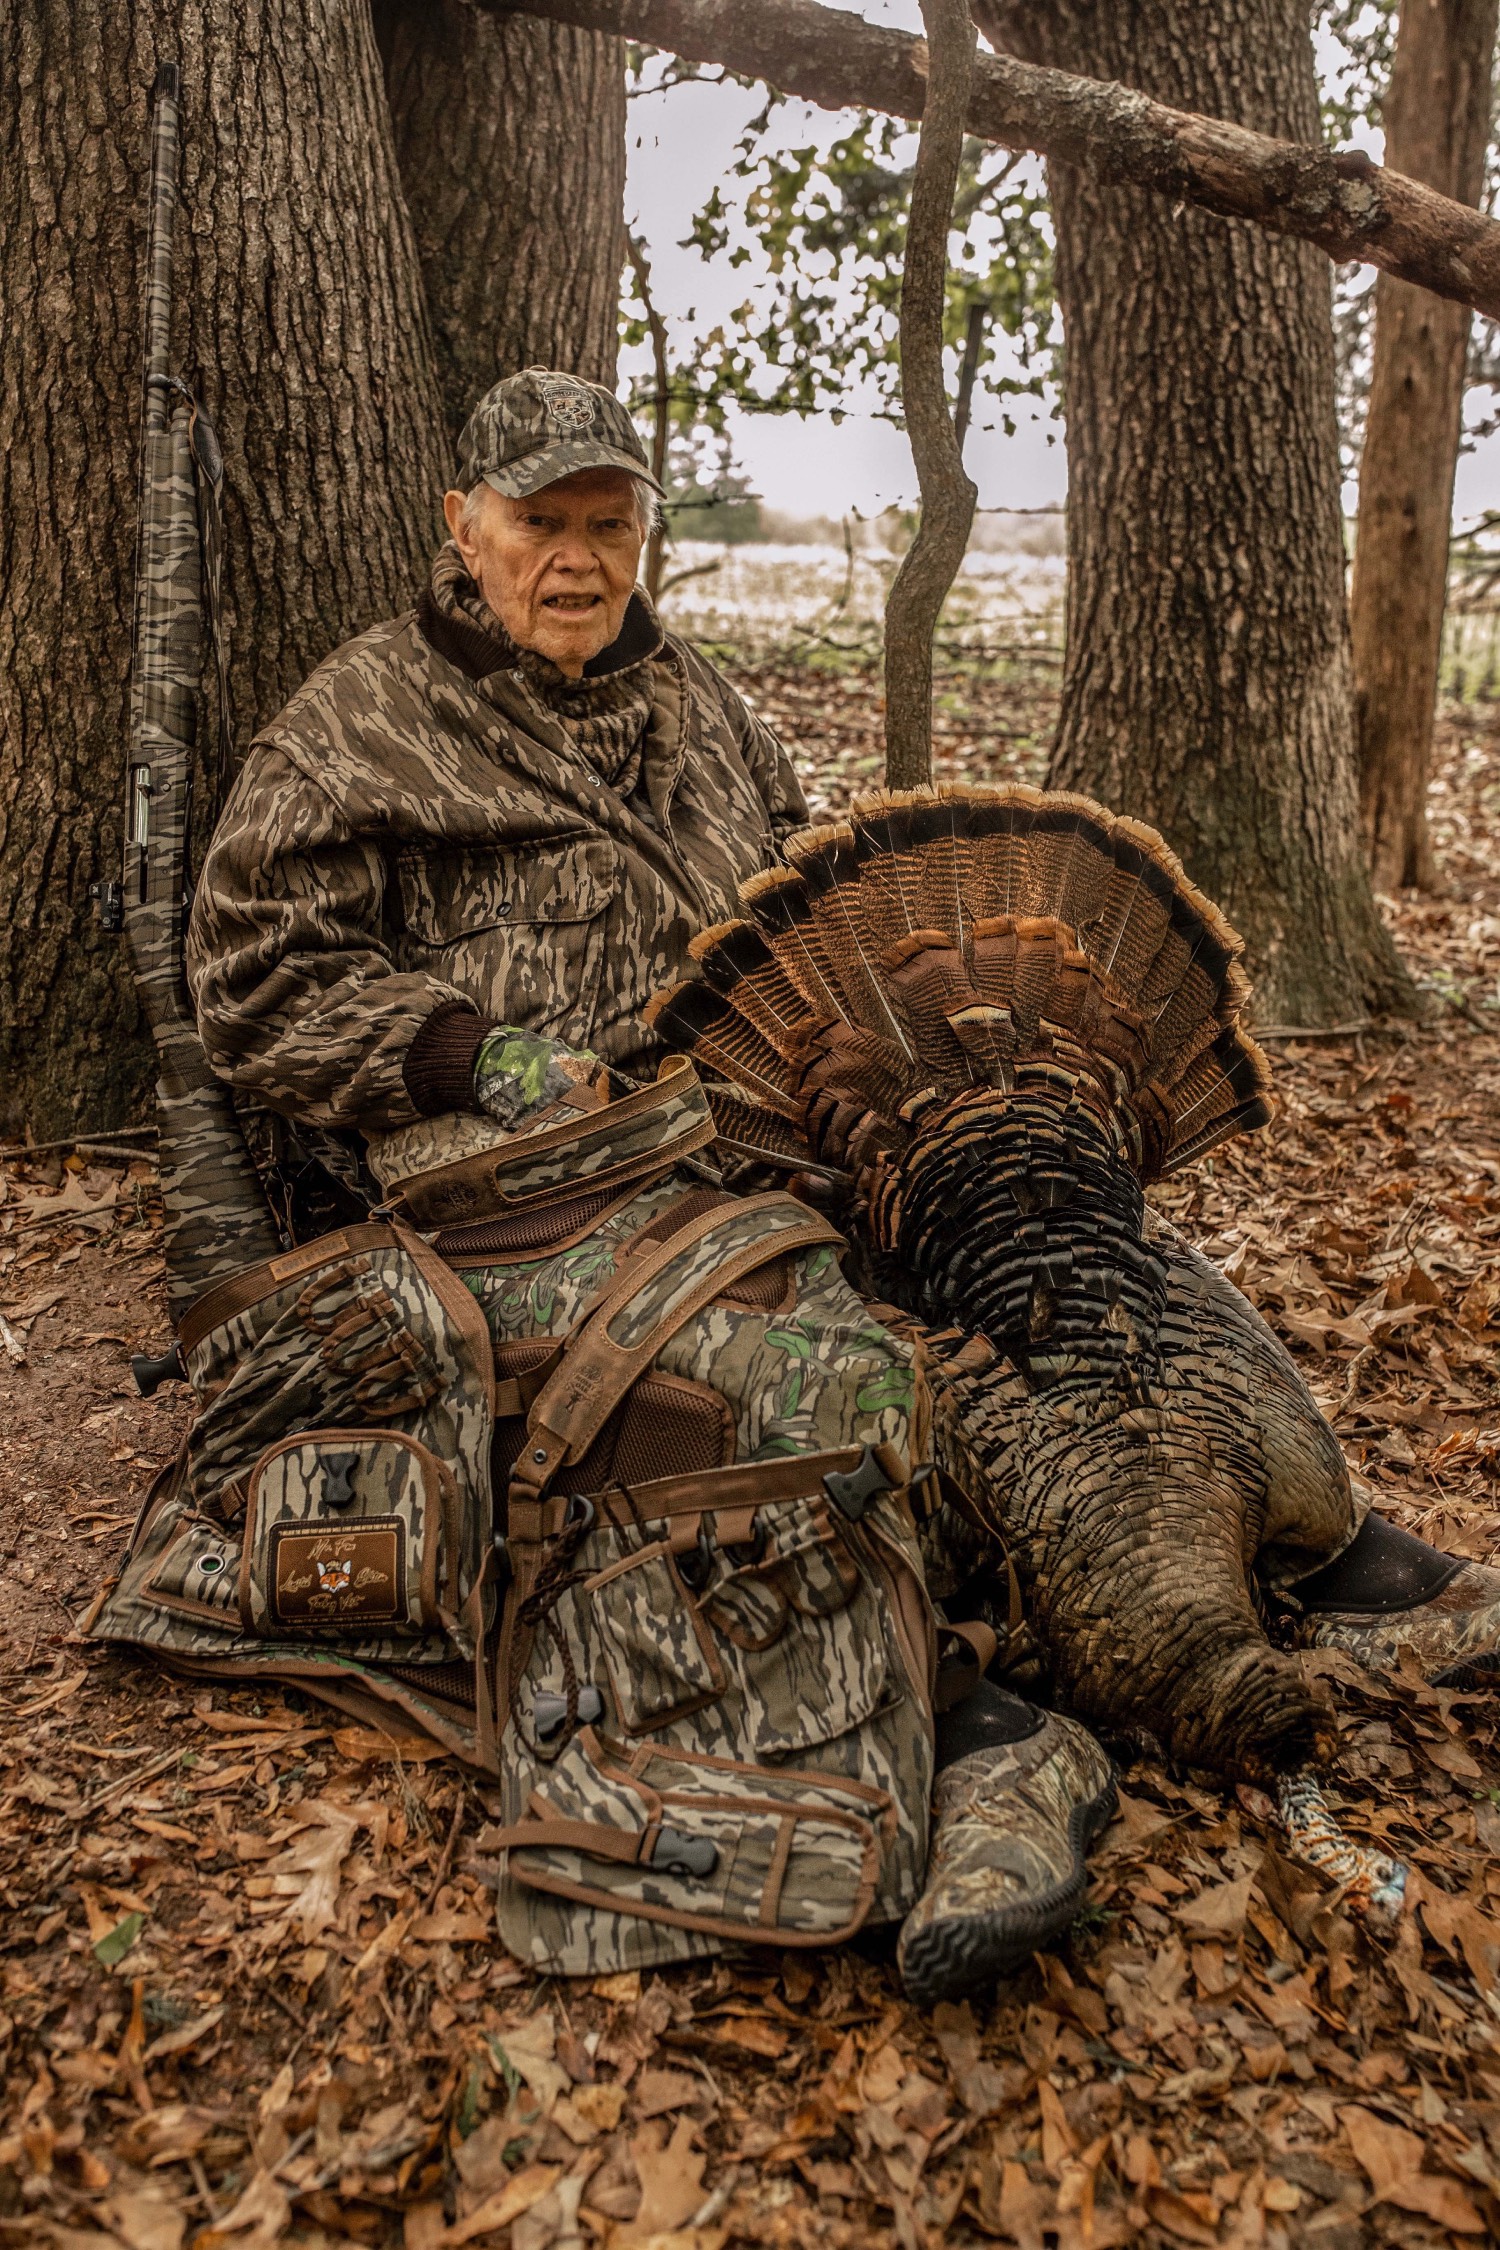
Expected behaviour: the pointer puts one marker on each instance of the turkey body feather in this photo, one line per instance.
(1012, 1011)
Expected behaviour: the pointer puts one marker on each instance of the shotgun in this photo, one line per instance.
(217, 1220)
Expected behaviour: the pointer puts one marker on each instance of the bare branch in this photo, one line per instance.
(931, 561)
(1345, 204)
(973, 344)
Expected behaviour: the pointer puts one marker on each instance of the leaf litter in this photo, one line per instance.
(253, 1991)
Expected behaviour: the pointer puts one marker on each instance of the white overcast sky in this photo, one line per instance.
(681, 144)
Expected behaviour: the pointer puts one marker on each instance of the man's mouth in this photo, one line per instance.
(571, 605)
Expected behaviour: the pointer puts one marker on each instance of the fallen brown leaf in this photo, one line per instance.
(671, 2177)
(1392, 2159)
(527, 2186)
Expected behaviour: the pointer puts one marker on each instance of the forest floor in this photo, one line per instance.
(252, 1990)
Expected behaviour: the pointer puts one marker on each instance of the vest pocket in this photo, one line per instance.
(199, 1575)
(661, 1662)
(347, 1532)
(703, 1843)
(802, 1634)
(342, 1349)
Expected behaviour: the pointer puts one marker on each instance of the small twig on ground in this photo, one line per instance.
(286, 2008)
(103, 1138)
(445, 1856)
(200, 2181)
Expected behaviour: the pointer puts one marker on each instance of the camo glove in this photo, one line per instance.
(519, 1076)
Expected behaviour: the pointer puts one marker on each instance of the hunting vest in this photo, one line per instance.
(599, 1476)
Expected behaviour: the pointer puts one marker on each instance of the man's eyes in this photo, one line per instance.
(611, 524)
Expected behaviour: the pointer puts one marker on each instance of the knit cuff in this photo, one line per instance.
(439, 1067)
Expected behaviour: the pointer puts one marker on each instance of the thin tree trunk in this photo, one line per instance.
(1207, 686)
(301, 320)
(931, 562)
(510, 136)
(656, 545)
(1437, 129)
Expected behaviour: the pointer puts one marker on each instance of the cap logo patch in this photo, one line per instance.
(569, 406)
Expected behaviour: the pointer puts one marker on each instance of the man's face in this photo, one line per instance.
(558, 567)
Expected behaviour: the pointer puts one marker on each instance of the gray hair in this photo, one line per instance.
(647, 507)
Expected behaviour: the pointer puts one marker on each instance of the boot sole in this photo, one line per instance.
(949, 1959)
(1474, 1674)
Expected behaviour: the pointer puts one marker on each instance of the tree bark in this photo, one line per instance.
(1206, 683)
(1345, 204)
(930, 564)
(661, 425)
(510, 136)
(301, 320)
(1437, 129)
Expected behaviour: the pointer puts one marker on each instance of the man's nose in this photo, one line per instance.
(573, 553)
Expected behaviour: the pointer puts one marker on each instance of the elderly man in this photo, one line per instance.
(452, 873)
(514, 805)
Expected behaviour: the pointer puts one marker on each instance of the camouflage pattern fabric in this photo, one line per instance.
(416, 828)
(1011, 1825)
(794, 1861)
(549, 1153)
(532, 428)
(516, 1074)
(820, 1374)
(790, 1652)
(346, 1402)
(1452, 1638)
(762, 1673)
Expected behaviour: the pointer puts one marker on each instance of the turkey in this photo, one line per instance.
(1007, 1012)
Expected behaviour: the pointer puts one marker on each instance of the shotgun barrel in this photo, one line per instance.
(217, 1218)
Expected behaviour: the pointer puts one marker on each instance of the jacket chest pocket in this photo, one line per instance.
(452, 897)
(520, 932)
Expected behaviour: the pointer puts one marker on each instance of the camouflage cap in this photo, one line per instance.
(535, 427)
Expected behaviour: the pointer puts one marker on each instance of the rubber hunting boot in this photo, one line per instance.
(1019, 1797)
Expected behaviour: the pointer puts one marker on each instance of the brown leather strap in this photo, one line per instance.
(965, 1653)
(593, 1838)
(595, 1372)
(473, 1187)
(741, 1485)
(982, 1639)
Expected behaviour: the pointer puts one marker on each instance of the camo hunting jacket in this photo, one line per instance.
(415, 838)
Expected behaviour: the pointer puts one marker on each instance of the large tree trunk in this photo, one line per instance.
(510, 135)
(1207, 681)
(302, 321)
(1437, 128)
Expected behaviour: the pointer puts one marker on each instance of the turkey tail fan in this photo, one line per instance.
(735, 959)
(825, 860)
(954, 937)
